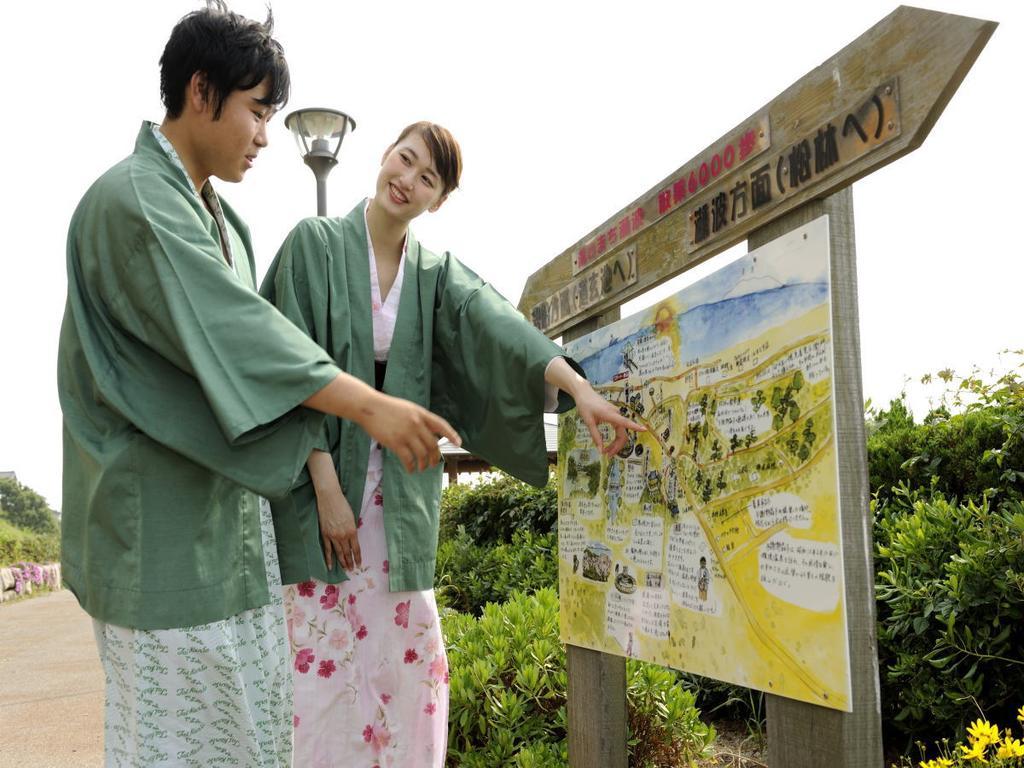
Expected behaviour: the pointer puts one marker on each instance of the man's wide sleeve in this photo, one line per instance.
(190, 355)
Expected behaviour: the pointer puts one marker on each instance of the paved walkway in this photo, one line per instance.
(51, 685)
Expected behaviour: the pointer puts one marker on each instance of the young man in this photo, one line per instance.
(181, 391)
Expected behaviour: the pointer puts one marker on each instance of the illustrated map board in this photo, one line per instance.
(711, 543)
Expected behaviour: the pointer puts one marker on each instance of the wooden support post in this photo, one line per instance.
(803, 735)
(597, 681)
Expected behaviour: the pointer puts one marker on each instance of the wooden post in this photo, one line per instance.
(597, 681)
(803, 735)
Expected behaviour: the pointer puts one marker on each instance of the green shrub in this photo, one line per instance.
(469, 576)
(491, 512)
(971, 445)
(18, 545)
(727, 701)
(950, 601)
(508, 694)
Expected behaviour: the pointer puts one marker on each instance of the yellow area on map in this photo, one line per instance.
(711, 542)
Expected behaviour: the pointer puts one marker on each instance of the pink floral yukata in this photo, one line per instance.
(369, 665)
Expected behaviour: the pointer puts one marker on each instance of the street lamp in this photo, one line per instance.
(325, 127)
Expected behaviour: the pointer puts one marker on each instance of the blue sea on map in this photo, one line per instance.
(715, 320)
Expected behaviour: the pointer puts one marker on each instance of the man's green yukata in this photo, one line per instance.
(180, 389)
(459, 349)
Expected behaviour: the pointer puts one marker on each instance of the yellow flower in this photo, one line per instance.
(1010, 747)
(939, 762)
(1020, 715)
(982, 732)
(976, 752)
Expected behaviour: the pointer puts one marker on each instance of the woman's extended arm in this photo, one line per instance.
(593, 408)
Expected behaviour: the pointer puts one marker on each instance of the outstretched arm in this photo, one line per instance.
(593, 408)
(406, 429)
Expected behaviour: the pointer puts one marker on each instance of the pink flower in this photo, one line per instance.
(431, 708)
(327, 668)
(411, 656)
(361, 633)
(385, 698)
(439, 668)
(351, 599)
(307, 588)
(431, 647)
(368, 734)
(402, 614)
(378, 500)
(303, 659)
(295, 721)
(385, 566)
(339, 639)
(329, 598)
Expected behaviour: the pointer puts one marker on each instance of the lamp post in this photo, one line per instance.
(318, 135)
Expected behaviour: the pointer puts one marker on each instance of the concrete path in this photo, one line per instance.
(51, 685)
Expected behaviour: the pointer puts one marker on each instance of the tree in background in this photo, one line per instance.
(24, 508)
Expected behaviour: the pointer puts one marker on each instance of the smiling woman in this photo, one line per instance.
(423, 327)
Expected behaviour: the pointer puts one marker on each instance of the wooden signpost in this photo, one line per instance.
(790, 162)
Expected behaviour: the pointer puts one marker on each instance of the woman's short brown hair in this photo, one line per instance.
(444, 151)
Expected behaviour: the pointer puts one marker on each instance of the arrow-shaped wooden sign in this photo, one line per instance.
(874, 101)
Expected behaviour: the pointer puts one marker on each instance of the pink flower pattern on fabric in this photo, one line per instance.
(383, 702)
(402, 614)
(329, 598)
(371, 708)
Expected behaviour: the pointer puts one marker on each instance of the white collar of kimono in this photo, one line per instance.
(172, 153)
(396, 287)
(208, 194)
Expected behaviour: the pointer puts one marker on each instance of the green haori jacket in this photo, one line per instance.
(179, 386)
(459, 349)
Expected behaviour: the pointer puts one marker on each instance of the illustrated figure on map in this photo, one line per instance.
(614, 488)
(671, 481)
(418, 324)
(703, 580)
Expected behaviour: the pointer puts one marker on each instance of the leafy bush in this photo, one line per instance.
(727, 701)
(17, 544)
(972, 444)
(469, 576)
(508, 694)
(491, 512)
(950, 592)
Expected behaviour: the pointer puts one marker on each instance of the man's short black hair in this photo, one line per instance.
(233, 52)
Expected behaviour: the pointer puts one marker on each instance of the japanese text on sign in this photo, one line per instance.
(832, 146)
(589, 289)
(750, 142)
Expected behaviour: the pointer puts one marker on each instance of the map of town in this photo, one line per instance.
(711, 542)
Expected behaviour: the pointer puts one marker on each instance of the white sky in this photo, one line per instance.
(566, 111)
